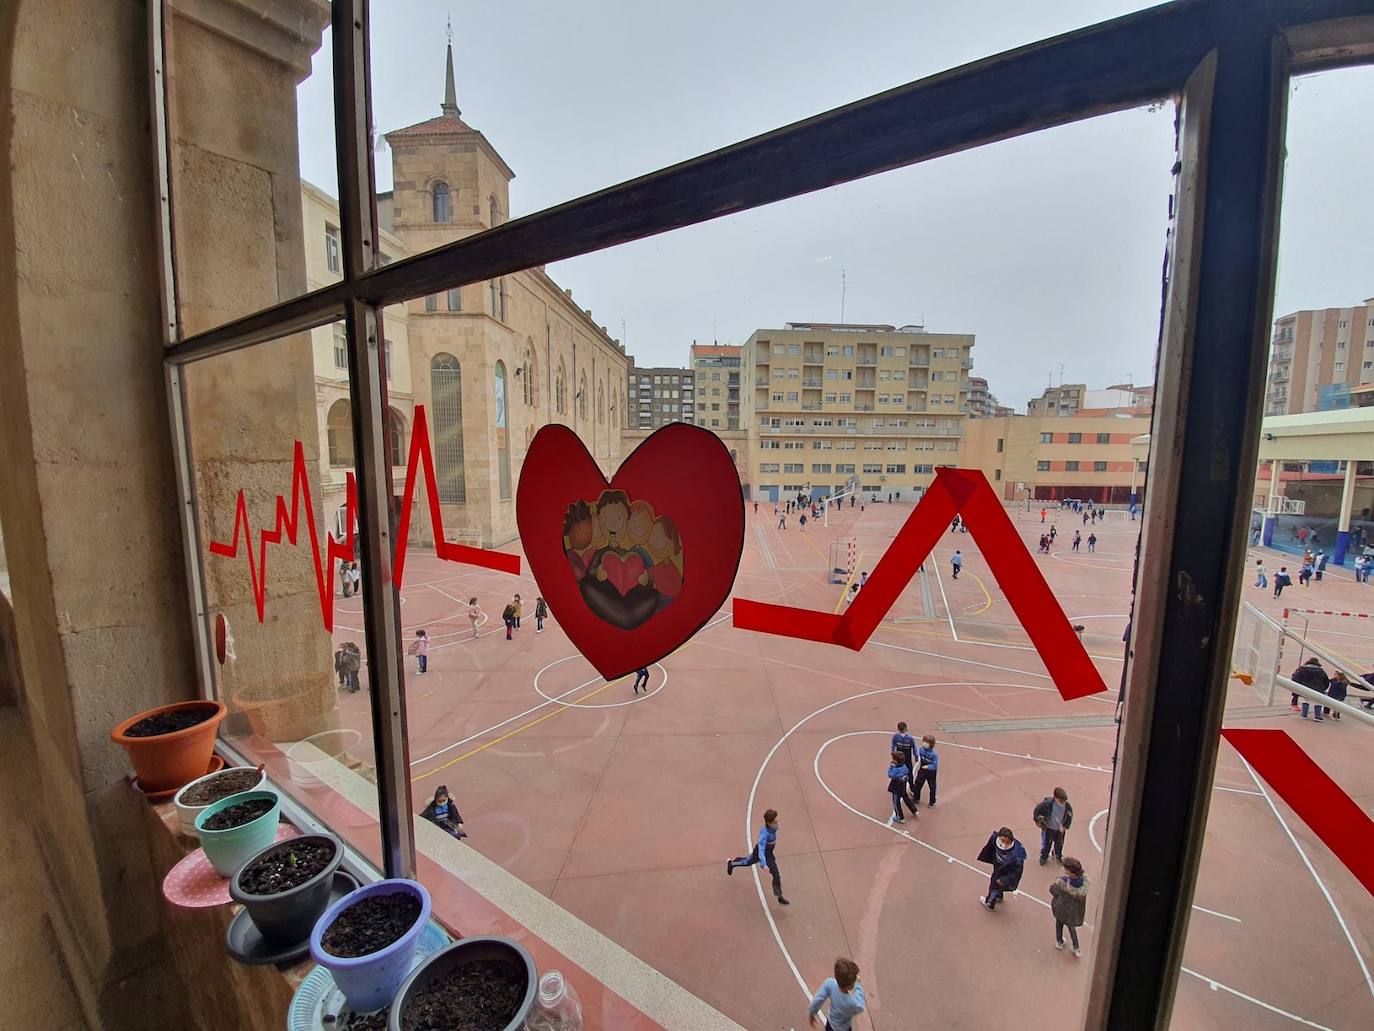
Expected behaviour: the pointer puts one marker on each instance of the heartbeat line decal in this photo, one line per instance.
(288, 526)
(967, 493)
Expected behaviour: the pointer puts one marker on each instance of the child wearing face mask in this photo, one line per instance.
(1007, 856)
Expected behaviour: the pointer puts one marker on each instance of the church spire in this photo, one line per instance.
(450, 105)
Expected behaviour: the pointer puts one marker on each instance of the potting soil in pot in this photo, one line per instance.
(169, 722)
(483, 995)
(286, 867)
(371, 925)
(350, 1021)
(223, 786)
(238, 815)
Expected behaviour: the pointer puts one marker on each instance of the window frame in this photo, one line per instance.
(1231, 77)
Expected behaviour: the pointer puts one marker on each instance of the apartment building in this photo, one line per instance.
(981, 402)
(659, 396)
(717, 368)
(830, 404)
(1317, 357)
(1049, 457)
(1064, 399)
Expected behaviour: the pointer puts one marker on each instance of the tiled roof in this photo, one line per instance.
(444, 125)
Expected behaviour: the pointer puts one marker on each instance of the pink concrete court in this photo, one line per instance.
(623, 810)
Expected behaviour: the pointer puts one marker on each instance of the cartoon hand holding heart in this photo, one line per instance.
(631, 568)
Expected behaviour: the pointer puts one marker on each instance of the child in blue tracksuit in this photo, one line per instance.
(897, 780)
(845, 994)
(906, 744)
(929, 767)
(763, 854)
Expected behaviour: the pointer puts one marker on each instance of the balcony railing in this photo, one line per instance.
(761, 383)
(866, 407)
(868, 361)
(812, 384)
(811, 406)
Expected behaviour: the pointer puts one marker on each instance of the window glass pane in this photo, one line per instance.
(255, 215)
(1301, 641)
(273, 452)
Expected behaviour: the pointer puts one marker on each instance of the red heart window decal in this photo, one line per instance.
(632, 567)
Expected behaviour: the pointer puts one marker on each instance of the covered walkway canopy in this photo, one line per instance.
(1346, 435)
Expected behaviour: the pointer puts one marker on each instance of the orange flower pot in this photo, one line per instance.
(166, 762)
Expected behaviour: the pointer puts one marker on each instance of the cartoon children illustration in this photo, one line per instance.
(637, 532)
(578, 532)
(665, 547)
(613, 516)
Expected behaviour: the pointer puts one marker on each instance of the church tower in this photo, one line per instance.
(448, 180)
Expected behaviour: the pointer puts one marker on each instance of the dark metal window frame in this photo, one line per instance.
(1227, 62)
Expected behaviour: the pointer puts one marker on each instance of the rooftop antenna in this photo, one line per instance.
(844, 283)
(714, 338)
(1061, 374)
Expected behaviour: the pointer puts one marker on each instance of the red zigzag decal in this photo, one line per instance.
(288, 525)
(965, 492)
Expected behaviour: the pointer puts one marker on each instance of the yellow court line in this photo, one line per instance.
(813, 547)
(845, 589)
(987, 604)
(510, 734)
(535, 722)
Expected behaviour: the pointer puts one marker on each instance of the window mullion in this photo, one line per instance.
(367, 382)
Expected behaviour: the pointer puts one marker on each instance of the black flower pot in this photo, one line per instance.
(289, 916)
(462, 952)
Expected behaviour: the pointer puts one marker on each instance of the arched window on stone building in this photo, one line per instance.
(560, 389)
(502, 432)
(582, 398)
(600, 402)
(339, 427)
(532, 377)
(397, 427)
(494, 211)
(442, 210)
(446, 392)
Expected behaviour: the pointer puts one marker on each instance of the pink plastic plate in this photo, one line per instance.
(194, 884)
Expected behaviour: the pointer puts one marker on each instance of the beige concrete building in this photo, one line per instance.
(492, 362)
(659, 396)
(1318, 356)
(718, 372)
(835, 403)
(1049, 457)
(981, 402)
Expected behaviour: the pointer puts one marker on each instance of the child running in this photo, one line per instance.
(763, 854)
(845, 995)
(474, 615)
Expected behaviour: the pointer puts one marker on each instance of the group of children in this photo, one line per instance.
(1007, 857)
(912, 768)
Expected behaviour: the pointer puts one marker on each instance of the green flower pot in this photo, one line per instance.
(229, 849)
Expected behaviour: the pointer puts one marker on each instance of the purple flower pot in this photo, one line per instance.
(370, 982)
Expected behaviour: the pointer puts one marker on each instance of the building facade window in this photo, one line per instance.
(1099, 467)
(446, 394)
(396, 432)
(502, 434)
(339, 428)
(340, 347)
(1042, 467)
(442, 211)
(1075, 438)
(1104, 438)
(431, 302)
(1071, 467)
(455, 299)
(333, 259)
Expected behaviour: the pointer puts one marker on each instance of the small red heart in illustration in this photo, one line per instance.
(631, 567)
(623, 573)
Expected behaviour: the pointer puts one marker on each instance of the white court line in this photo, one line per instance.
(1359, 958)
(1092, 829)
(533, 708)
(1236, 791)
(1099, 696)
(940, 580)
(1218, 986)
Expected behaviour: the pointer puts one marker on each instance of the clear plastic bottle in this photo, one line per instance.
(556, 1006)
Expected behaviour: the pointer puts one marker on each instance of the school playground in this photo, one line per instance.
(623, 809)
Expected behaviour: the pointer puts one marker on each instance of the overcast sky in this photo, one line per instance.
(1047, 247)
